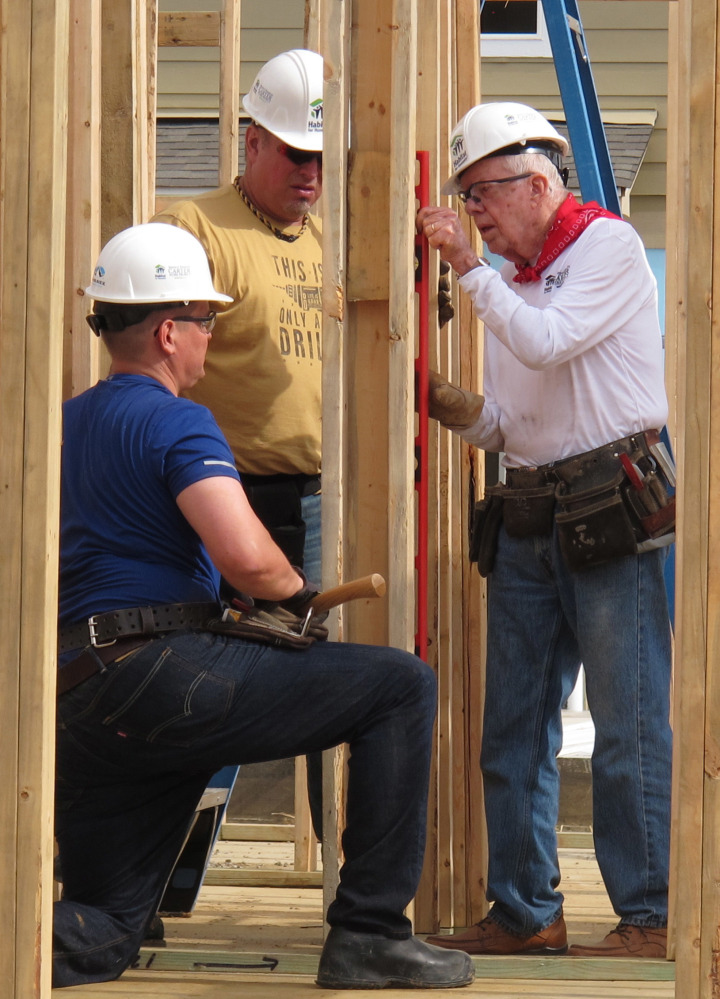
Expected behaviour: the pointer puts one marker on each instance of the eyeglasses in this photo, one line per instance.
(299, 156)
(479, 192)
(206, 323)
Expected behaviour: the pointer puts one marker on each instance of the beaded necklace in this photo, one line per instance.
(278, 233)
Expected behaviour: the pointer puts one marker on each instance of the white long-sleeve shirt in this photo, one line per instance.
(574, 360)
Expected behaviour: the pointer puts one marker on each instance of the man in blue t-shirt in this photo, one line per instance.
(152, 702)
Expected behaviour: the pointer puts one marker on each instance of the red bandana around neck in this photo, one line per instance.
(571, 220)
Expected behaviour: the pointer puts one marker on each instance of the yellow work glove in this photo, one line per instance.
(453, 407)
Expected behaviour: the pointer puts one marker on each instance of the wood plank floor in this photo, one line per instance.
(256, 926)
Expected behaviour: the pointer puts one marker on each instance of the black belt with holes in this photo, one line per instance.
(105, 629)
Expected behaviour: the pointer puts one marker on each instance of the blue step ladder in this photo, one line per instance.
(589, 143)
(580, 102)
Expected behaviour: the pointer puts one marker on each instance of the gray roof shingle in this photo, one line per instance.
(187, 154)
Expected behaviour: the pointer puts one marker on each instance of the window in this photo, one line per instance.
(513, 28)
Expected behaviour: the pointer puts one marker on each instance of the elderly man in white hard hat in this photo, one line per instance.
(574, 542)
(158, 688)
(263, 378)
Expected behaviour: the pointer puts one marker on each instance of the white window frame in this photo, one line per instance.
(534, 46)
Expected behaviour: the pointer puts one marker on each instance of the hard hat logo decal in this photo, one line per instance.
(159, 272)
(315, 121)
(178, 271)
(515, 120)
(262, 93)
(458, 151)
(99, 274)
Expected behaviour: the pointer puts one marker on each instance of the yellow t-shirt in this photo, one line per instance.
(263, 369)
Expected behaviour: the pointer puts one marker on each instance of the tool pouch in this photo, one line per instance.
(594, 525)
(485, 527)
(279, 628)
(529, 511)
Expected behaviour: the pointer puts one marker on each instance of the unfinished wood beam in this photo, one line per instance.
(367, 337)
(327, 30)
(191, 28)
(430, 83)
(81, 352)
(33, 96)
(696, 825)
(229, 92)
(402, 524)
(127, 116)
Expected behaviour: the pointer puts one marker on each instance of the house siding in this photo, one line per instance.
(627, 42)
(188, 77)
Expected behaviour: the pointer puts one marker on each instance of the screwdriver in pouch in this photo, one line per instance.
(648, 500)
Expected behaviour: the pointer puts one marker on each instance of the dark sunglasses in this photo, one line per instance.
(299, 156)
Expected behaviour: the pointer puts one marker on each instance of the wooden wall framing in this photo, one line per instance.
(33, 101)
(393, 89)
(693, 264)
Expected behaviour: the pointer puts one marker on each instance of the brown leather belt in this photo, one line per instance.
(591, 465)
(105, 629)
(91, 661)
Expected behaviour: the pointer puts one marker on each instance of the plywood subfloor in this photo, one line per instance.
(258, 926)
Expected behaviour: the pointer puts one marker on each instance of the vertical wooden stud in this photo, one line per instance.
(696, 873)
(229, 91)
(82, 348)
(126, 198)
(328, 31)
(401, 308)
(33, 84)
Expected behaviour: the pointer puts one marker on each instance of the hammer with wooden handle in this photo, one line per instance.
(356, 589)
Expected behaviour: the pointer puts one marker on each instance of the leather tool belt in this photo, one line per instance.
(612, 501)
(105, 629)
(93, 660)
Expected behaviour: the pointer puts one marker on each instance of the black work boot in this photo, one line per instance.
(351, 960)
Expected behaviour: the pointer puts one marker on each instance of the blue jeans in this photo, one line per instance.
(312, 554)
(137, 743)
(543, 621)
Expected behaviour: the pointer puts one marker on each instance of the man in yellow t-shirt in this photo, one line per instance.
(263, 374)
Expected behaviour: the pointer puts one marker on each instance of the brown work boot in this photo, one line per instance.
(488, 937)
(626, 941)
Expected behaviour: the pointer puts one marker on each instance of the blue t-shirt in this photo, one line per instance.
(130, 447)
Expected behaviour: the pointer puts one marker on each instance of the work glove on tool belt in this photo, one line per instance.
(453, 407)
(289, 623)
(270, 627)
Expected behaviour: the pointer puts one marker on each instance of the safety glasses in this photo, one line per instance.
(485, 189)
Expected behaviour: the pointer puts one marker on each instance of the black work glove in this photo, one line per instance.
(299, 603)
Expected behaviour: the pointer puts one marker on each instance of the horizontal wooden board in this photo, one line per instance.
(293, 963)
(149, 985)
(254, 13)
(179, 29)
(255, 926)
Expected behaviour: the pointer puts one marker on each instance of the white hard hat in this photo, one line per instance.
(499, 129)
(153, 263)
(287, 99)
